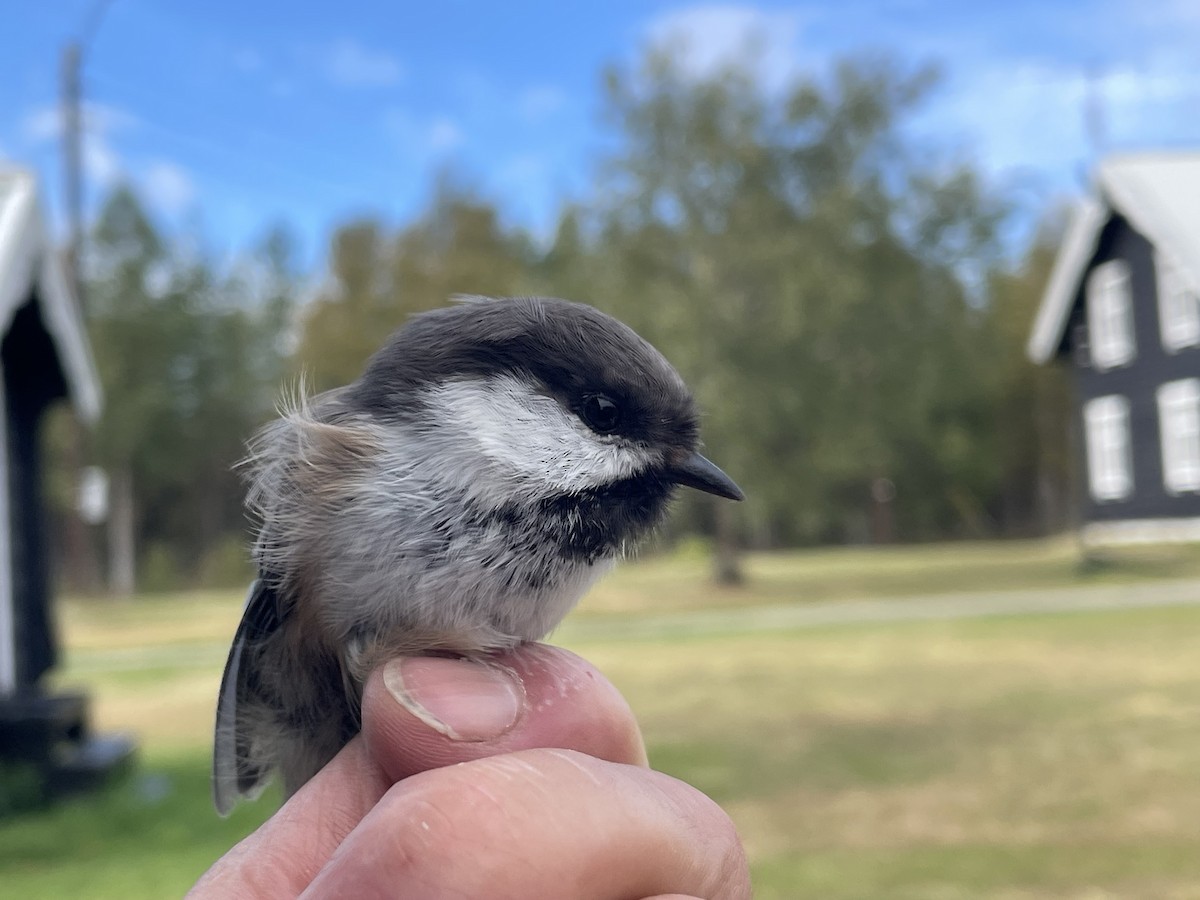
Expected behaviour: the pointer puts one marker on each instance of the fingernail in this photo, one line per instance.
(462, 699)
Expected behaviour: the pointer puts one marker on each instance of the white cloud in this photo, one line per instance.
(168, 186)
(100, 161)
(421, 139)
(1161, 100)
(46, 124)
(1172, 21)
(521, 171)
(1017, 107)
(1030, 118)
(42, 125)
(535, 104)
(711, 37)
(348, 63)
(443, 134)
(534, 193)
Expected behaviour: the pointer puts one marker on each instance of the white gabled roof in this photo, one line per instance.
(1159, 194)
(27, 262)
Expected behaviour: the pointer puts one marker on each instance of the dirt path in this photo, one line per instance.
(898, 609)
(741, 621)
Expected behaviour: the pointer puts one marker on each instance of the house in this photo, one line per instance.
(1121, 308)
(44, 358)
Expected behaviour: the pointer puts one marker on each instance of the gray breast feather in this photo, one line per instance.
(390, 525)
(377, 538)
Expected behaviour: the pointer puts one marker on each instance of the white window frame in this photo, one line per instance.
(1178, 305)
(1109, 449)
(1179, 434)
(1110, 315)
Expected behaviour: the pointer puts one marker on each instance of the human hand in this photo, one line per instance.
(450, 792)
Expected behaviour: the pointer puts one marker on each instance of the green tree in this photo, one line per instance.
(1032, 404)
(190, 363)
(375, 282)
(133, 334)
(810, 273)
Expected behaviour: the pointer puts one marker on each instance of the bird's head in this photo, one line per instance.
(545, 403)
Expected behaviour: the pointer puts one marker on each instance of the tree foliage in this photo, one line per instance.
(812, 275)
(375, 281)
(190, 363)
(837, 294)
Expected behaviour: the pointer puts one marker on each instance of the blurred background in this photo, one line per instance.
(894, 664)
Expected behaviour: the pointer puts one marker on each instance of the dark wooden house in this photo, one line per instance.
(44, 359)
(1121, 308)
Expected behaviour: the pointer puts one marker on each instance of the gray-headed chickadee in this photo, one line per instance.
(495, 458)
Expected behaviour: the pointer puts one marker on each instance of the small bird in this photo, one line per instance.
(494, 459)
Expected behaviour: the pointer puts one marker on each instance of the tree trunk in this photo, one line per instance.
(122, 564)
(79, 554)
(727, 558)
(883, 494)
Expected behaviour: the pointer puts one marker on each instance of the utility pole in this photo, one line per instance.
(72, 153)
(79, 551)
(71, 110)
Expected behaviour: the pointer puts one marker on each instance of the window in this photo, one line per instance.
(1110, 470)
(1179, 434)
(1178, 314)
(1110, 314)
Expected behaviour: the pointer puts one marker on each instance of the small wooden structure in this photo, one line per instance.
(1122, 309)
(44, 358)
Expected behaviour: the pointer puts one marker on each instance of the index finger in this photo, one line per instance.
(280, 859)
(566, 703)
(539, 824)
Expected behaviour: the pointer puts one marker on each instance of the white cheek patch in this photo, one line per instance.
(530, 436)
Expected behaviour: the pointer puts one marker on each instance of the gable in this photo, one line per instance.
(1159, 195)
(29, 269)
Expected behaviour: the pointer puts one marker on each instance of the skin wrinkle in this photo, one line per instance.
(539, 791)
(264, 865)
(271, 876)
(442, 843)
(590, 830)
(648, 823)
(404, 860)
(570, 760)
(727, 844)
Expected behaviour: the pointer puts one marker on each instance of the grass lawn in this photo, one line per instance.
(1008, 757)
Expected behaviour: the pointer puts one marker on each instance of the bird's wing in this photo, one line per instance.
(235, 773)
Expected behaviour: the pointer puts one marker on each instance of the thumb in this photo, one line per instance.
(423, 713)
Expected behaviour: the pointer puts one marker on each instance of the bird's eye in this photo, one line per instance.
(600, 413)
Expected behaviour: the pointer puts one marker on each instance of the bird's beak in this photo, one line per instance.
(697, 472)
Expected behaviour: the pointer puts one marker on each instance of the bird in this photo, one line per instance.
(494, 459)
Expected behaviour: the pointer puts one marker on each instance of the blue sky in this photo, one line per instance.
(230, 115)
